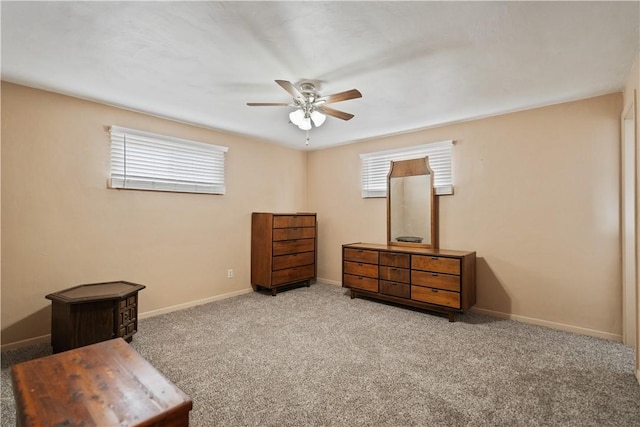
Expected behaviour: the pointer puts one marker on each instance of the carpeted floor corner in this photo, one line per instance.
(315, 357)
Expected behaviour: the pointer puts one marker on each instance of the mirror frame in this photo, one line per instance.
(412, 167)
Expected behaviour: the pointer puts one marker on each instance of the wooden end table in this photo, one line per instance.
(87, 314)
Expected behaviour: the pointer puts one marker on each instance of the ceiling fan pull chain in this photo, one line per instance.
(307, 140)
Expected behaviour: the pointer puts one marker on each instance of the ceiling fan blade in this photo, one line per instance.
(268, 104)
(335, 113)
(341, 96)
(289, 87)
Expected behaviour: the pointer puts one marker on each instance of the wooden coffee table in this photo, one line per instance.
(103, 384)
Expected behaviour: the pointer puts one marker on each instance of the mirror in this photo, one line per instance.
(411, 219)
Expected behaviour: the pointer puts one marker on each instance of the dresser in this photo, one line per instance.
(433, 279)
(283, 249)
(87, 314)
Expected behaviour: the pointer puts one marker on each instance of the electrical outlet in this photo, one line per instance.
(229, 273)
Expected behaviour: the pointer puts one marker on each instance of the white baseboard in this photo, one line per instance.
(531, 320)
(24, 343)
(182, 306)
(330, 282)
(549, 324)
(47, 338)
(524, 319)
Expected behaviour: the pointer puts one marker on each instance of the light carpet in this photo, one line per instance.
(315, 357)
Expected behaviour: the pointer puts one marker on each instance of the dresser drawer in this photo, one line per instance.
(394, 260)
(360, 282)
(290, 275)
(396, 289)
(294, 260)
(286, 221)
(294, 233)
(125, 302)
(293, 246)
(394, 274)
(361, 255)
(437, 264)
(435, 280)
(361, 269)
(435, 296)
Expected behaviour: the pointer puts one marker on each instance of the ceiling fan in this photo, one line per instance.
(311, 106)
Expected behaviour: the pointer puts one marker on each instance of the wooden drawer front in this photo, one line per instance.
(290, 275)
(127, 330)
(286, 247)
(435, 296)
(435, 280)
(394, 260)
(361, 255)
(437, 264)
(127, 316)
(361, 269)
(286, 221)
(359, 282)
(401, 290)
(394, 274)
(293, 260)
(294, 233)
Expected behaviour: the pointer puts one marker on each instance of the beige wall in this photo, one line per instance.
(536, 196)
(62, 227)
(631, 96)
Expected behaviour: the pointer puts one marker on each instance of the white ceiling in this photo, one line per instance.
(417, 64)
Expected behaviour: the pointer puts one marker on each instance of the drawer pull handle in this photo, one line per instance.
(434, 290)
(434, 274)
(435, 258)
(294, 255)
(360, 264)
(360, 251)
(394, 269)
(360, 277)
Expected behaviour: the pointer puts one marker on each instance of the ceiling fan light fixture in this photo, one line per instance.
(318, 118)
(307, 101)
(296, 117)
(305, 124)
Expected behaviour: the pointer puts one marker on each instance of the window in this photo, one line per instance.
(375, 167)
(146, 161)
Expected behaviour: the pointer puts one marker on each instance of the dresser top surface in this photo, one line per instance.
(408, 249)
(285, 213)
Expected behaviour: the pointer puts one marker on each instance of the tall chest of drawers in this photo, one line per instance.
(283, 249)
(433, 279)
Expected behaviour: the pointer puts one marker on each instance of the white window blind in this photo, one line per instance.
(375, 167)
(146, 161)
